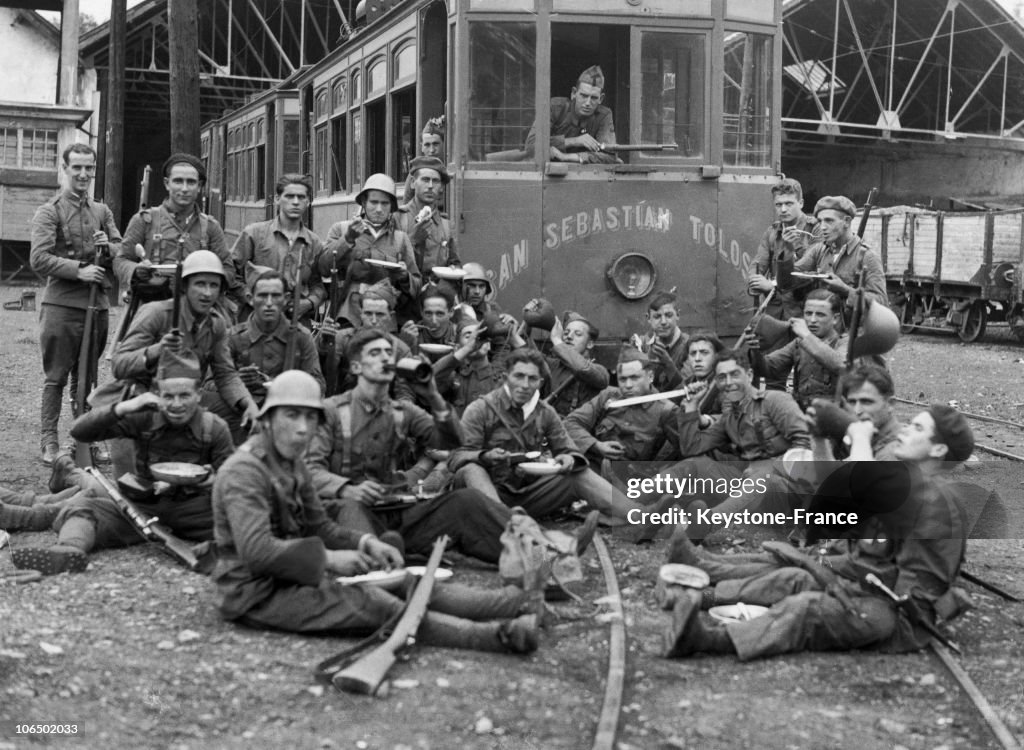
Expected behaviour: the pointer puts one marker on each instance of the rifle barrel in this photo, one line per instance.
(617, 147)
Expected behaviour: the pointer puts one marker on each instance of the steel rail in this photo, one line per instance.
(969, 415)
(608, 724)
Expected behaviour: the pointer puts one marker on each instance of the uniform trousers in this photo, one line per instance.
(190, 518)
(60, 338)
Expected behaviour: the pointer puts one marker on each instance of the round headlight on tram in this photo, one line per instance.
(633, 275)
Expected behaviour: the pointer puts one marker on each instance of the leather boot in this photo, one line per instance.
(517, 636)
(477, 604)
(688, 634)
(681, 549)
(31, 518)
(50, 560)
(585, 533)
(63, 465)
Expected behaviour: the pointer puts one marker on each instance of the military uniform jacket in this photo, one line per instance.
(816, 365)
(204, 439)
(207, 339)
(845, 263)
(158, 230)
(376, 445)
(678, 351)
(462, 383)
(787, 303)
(575, 378)
(432, 241)
(493, 422)
(62, 230)
(565, 123)
(764, 424)
(265, 243)
(640, 428)
(248, 344)
(388, 244)
(270, 528)
(400, 387)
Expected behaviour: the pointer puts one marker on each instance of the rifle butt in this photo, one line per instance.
(366, 675)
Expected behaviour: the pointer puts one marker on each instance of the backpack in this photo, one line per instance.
(527, 550)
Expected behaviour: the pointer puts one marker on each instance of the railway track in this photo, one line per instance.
(979, 418)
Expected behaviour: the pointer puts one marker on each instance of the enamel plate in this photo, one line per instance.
(383, 263)
(539, 468)
(737, 612)
(384, 578)
(442, 574)
(448, 273)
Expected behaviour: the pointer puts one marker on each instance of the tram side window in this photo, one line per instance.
(503, 70)
(337, 156)
(672, 91)
(321, 168)
(747, 100)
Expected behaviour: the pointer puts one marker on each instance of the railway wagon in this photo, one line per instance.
(952, 270)
(245, 151)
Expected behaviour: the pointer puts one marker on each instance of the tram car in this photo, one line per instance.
(695, 91)
(953, 271)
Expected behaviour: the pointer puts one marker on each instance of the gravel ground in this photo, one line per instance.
(133, 652)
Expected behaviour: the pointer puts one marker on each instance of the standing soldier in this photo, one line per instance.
(160, 230)
(370, 248)
(287, 245)
(431, 144)
(782, 244)
(428, 228)
(67, 231)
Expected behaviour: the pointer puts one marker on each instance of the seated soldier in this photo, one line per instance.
(278, 553)
(914, 543)
(631, 433)
(757, 426)
(575, 376)
(869, 394)
(165, 425)
(580, 125)
(258, 345)
(467, 373)
(666, 344)
(479, 305)
(513, 419)
(701, 357)
(435, 325)
(816, 355)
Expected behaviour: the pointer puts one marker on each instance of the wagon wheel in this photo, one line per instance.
(975, 319)
(907, 314)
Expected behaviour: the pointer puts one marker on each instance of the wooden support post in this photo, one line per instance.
(113, 161)
(69, 26)
(183, 35)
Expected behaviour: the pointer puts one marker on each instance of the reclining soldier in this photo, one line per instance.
(278, 552)
(167, 424)
(914, 542)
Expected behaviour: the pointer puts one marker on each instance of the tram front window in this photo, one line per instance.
(502, 64)
(747, 100)
(672, 91)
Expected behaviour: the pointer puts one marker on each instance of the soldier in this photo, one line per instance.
(631, 433)
(167, 424)
(160, 230)
(823, 604)
(512, 419)
(702, 356)
(816, 355)
(362, 245)
(428, 228)
(478, 295)
(257, 346)
(666, 344)
(435, 324)
(432, 145)
(284, 242)
(467, 373)
(278, 551)
(869, 394)
(67, 231)
(580, 124)
(842, 254)
(782, 244)
(575, 376)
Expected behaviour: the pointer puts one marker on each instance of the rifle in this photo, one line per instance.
(366, 674)
(327, 341)
(293, 326)
(858, 304)
(911, 611)
(615, 148)
(750, 331)
(177, 291)
(87, 366)
(133, 304)
(149, 527)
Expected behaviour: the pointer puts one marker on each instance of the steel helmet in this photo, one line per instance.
(476, 272)
(202, 261)
(293, 388)
(382, 183)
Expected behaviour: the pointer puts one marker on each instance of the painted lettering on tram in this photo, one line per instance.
(637, 217)
(713, 237)
(514, 263)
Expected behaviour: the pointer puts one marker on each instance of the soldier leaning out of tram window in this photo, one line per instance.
(370, 248)
(580, 124)
(427, 226)
(815, 355)
(666, 343)
(287, 245)
(431, 144)
(574, 375)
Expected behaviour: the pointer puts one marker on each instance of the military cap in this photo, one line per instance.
(430, 162)
(190, 160)
(174, 365)
(571, 316)
(592, 76)
(435, 126)
(839, 203)
(382, 290)
(952, 430)
(254, 273)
